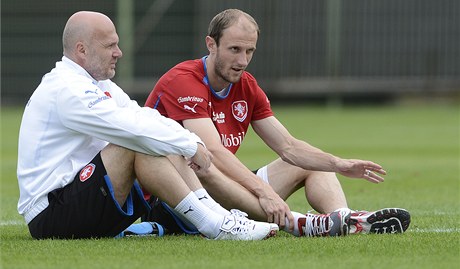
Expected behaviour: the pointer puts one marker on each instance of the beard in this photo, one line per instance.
(219, 71)
(99, 69)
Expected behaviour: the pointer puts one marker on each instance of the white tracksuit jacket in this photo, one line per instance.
(70, 118)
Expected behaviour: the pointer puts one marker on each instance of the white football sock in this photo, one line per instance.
(208, 201)
(205, 220)
(296, 231)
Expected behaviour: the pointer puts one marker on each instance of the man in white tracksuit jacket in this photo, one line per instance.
(84, 145)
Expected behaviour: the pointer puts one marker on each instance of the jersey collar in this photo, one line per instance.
(206, 81)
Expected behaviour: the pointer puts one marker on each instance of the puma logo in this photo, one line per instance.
(189, 210)
(227, 221)
(186, 107)
(88, 91)
(204, 197)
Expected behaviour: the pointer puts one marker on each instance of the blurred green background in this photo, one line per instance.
(329, 52)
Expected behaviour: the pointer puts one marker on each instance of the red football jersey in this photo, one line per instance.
(183, 93)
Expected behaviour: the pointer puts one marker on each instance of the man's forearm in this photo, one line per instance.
(229, 164)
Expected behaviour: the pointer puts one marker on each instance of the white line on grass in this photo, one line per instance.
(434, 230)
(12, 223)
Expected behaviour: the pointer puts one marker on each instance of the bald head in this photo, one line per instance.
(81, 27)
(90, 40)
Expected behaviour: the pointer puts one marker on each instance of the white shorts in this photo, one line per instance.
(263, 174)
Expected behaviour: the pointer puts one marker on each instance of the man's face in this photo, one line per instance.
(103, 54)
(236, 48)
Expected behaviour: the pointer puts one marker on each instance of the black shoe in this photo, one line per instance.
(387, 220)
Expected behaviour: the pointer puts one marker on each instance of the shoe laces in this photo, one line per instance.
(242, 223)
(357, 213)
(241, 226)
(238, 213)
(316, 225)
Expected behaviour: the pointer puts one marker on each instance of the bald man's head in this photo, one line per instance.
(90, 40)
(81, 27)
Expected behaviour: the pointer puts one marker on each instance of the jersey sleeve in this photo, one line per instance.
(181, 97)
(262, 108)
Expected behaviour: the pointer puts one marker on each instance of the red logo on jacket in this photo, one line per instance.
(87, 172)
(240, 110)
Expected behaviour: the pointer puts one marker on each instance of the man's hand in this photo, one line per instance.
(201, 161)
(361, 169)
(276, 209)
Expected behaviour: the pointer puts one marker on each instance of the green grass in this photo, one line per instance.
(417, 145)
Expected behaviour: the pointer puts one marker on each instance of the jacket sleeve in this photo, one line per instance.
(123, 122)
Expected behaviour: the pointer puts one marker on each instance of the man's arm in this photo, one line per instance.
(304, 155)
(124, 123)
(275, 208)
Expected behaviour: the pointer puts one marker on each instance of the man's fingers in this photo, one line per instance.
(282, 221)
(372, 177)
(270, 218)
(375, 168)
(276, 219)
(290, 218)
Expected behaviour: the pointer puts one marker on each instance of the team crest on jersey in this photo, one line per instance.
(87, 172)
(240, 110)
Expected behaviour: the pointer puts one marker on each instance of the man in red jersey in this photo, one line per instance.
(215, 98)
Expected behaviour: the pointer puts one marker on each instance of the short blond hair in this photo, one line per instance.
(225, 19)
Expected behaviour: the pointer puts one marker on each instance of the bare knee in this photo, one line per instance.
(119, 164)
(286, 179)
(117, 158)
(319, 176)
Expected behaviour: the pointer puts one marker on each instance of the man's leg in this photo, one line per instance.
(322, 189)
(156, 174)
(324, 193)
(92, 205)
(192, 181)
(119, 163)
(174, 223)
(187, 174)
(160, 178)
(231, 194)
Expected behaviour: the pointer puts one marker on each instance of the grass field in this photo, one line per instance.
(417, 145)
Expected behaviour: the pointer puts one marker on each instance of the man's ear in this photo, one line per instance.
(80, 48)
(80, 53)
(211, 44)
